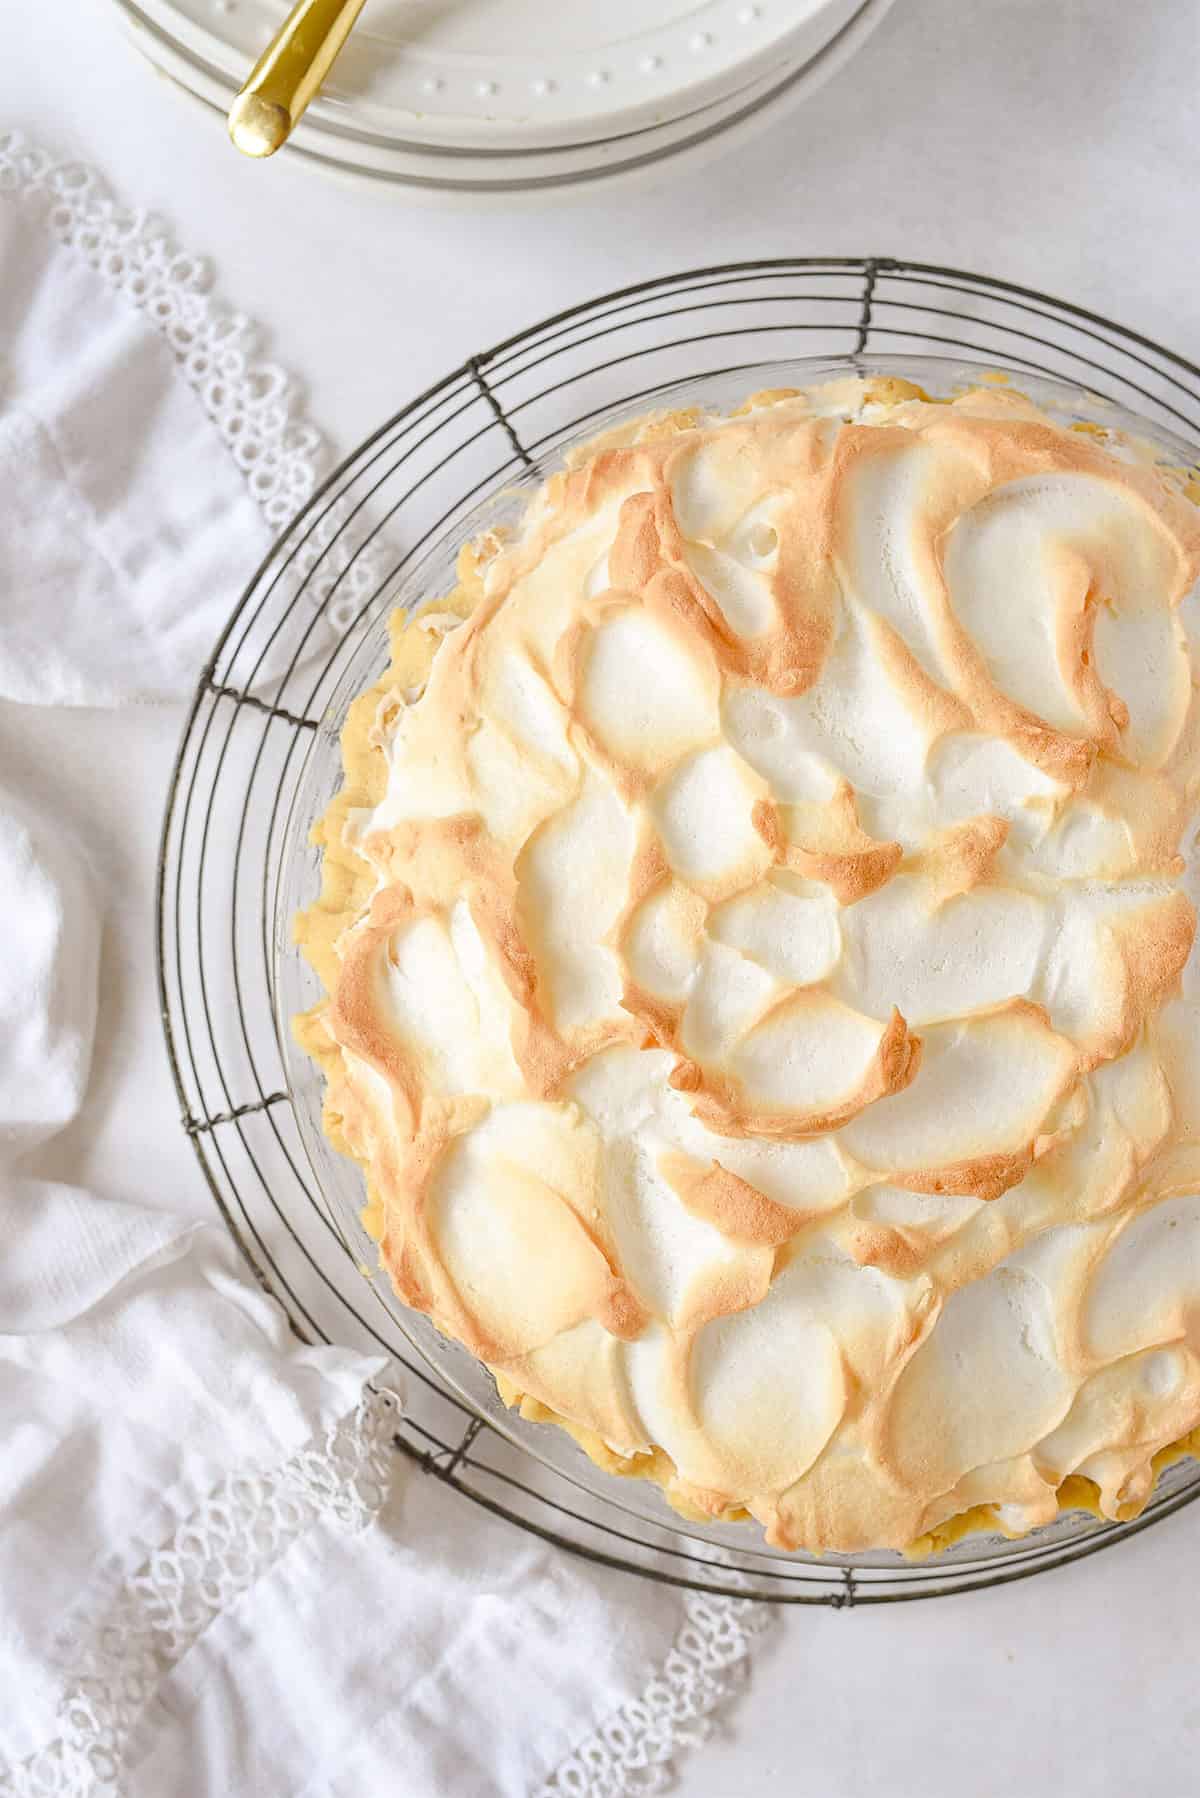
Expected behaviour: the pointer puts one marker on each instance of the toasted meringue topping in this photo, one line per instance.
(760, 961)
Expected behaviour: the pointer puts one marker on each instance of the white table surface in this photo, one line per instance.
(1050, 143)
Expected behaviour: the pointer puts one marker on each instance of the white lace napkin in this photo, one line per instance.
(146, 448)
(217, 1578)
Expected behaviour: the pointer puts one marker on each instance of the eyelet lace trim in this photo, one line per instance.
(255, 406)
(156, 1615)
(632, 1752)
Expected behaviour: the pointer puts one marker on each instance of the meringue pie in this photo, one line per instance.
(757, 938)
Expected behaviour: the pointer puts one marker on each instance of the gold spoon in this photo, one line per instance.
(289, 72)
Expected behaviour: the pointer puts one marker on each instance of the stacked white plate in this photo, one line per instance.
(519, 96)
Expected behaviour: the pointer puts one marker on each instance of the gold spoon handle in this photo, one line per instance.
(289, 72)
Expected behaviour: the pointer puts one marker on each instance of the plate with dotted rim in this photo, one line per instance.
(519, 74)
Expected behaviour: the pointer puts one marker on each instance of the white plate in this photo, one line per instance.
(520, 74)
(445, 173)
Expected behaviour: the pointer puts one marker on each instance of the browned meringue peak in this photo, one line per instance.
(760, 951)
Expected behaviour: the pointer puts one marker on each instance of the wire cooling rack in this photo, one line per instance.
(262, 697)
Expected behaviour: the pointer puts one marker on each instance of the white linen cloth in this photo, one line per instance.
(216, 1577)
(146, 448)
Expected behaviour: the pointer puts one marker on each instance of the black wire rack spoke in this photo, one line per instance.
(380, 528)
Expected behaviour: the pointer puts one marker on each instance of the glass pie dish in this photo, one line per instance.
(259, 759)
(428, 576)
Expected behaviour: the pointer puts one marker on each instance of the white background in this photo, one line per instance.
(1052, 142)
